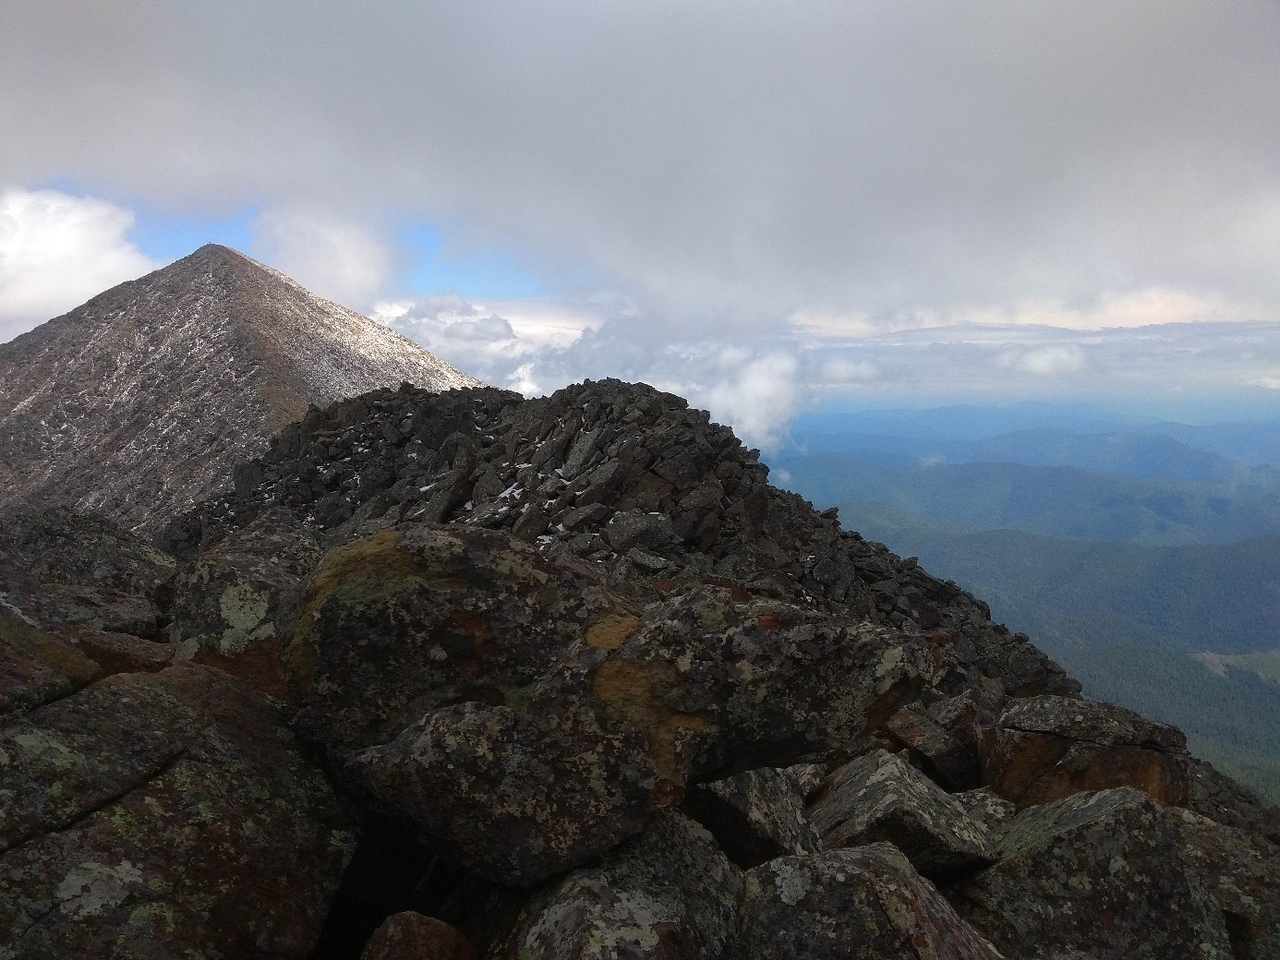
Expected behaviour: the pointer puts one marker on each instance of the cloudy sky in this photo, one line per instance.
(759, 205)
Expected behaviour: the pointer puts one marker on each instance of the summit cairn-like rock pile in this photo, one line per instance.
(467, 675)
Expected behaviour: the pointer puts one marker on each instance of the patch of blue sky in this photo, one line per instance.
(430, 268)
(166, 237)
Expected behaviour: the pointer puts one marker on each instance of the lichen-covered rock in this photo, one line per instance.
(163, 815)
(412, 936)
(755, 815)
(865, 903)
(527, 720)
(1240, 873)
(878, 797)
(418, 617)
(82, 570)
(988, 810)
(1047, 748)
(36, 666)
(669, 893)
(229, 598)
(1101, 874)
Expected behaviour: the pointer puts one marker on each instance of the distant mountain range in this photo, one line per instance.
(1089, 429)
(1054, 501)
(138, 403)
(1147, 563)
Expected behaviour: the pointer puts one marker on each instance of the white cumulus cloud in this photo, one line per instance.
(329, 254)
(58, 250)
(1054, 361)
(757, 396)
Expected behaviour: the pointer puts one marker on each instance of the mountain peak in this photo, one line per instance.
(138, 402)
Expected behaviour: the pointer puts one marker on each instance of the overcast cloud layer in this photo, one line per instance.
(747, 185)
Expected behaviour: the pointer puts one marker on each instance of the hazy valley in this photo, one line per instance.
(1143, 555)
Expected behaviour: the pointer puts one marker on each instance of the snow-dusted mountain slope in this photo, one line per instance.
(138, 403)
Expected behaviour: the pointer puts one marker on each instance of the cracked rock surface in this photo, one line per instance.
(163, 815)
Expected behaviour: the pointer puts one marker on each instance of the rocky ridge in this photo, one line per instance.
(568, 678)
(137, 404)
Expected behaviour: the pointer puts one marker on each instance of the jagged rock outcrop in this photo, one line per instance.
(878, 798)
(627, 479)
(591, 685)
(138, 403)
(1046, 748)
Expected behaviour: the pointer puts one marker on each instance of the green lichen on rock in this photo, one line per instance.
(190, 825)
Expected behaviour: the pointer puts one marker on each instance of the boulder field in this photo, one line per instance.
(465, 675)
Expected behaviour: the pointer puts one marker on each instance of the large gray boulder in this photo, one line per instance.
(1102, 874)
(865, 903)
(878, 797)
(669, 893)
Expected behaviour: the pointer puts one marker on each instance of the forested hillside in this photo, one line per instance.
(1156, 583)
(1053, 501)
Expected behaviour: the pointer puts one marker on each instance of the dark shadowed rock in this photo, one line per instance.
(669, 893)
(878, 797)
(755, 815)
(857, 903)
(1046, 748)
(1101, 874)
(949, 753)
(412, 936)
(37, 666)
(162, 815)
(1218, 797)
(64, 569)
(121, 652)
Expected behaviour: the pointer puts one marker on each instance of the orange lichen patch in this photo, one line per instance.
(612, 631)
(769, 622)
(473, 624)
(1032, 769)
(632, 693)
(362, 568)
